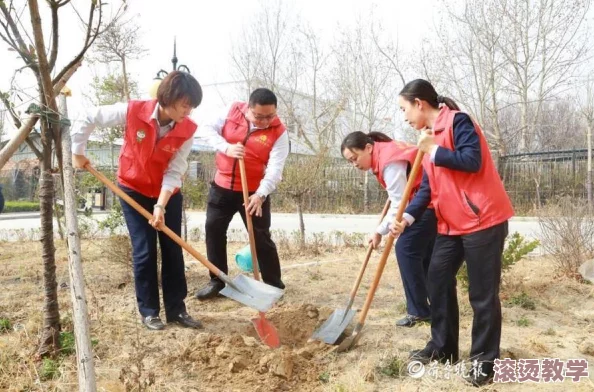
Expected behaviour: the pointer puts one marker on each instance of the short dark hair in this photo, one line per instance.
(262, 96)
(179, 85)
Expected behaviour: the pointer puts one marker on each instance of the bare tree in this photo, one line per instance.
(368, 80)
(586, 102)
(277, 50)
(41, 63)
(120, 44)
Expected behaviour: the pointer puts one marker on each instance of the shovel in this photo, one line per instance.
(335, 325)
(247, 291)
(264, 328)
(352, 340)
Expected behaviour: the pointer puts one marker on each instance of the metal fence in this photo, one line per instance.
(531, 180)
(535, 179)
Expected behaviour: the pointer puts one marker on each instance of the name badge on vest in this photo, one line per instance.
(140, 135)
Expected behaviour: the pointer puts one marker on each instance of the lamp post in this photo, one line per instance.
(162, 73)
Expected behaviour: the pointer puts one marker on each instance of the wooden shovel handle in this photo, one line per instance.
(115, 189)
(367, 256)
(248, 219)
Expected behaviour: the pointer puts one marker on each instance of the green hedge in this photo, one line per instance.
(21, 206)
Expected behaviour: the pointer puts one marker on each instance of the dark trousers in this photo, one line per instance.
(222, 205)
(482, 251)
(413, 253)
(144, 256)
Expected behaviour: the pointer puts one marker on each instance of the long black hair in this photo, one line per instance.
(358, 140)
(423, 90)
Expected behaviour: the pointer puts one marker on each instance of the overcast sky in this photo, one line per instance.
(205, 30)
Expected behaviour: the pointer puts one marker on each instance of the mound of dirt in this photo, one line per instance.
(241, 362)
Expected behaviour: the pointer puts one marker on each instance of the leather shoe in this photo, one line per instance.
(185, 320)
(478, 378)
(211, 290)
(427, 355)
(410, 321)
(153, 322)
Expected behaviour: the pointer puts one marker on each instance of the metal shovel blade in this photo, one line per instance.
(253, 293)
(334, 326)
(266, 331)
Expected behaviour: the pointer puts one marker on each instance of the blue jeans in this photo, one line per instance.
(144, 256)
(413, 253)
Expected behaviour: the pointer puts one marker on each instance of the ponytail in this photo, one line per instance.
(423, 90)
(449, 102)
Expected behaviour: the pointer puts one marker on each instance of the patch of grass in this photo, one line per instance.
(50, 369)
(394, 367)
(324, 377)
(5, 325)
(522, 300)
(550, 332)
(523, 322)
(67, 343)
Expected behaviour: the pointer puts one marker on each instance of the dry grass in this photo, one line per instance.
(128, 357)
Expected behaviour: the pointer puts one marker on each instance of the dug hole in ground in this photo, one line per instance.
(545, 316)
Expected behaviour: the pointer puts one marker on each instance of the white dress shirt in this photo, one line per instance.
(394, 175)
(115, 115)
(211, 133)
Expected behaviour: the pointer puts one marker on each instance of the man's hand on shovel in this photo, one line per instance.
(254, 206)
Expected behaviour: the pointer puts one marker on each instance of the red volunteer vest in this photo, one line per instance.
(143, 161)
(465, 202)
(258, 145)
(385, 153)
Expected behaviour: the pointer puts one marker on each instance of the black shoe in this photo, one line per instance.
(153, 322)
(211, 290)
(427, 355)
(410, 321)
(185, 320)
(478, 378)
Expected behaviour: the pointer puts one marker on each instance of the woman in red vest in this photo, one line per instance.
(390, 162)
(158, 137)
(461, 182)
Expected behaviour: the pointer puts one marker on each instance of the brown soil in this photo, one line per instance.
(228, 355)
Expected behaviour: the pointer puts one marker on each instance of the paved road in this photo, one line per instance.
(27, 223)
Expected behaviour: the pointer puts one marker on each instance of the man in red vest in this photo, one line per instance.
(251, 131)
(158, 138)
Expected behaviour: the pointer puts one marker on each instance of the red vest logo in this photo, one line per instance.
(168, 148)
(263, 139)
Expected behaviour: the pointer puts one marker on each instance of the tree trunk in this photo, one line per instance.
(589, 176)
(58, 216)
(126, 88)
(301, 222)
(51, 322)
(50, 342)
(84, 352)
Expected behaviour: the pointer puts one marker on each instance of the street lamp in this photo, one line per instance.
(162, 73)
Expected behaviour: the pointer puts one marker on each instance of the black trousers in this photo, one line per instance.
(222, 205)
(482, 251)
(414, 248)
(144, 256)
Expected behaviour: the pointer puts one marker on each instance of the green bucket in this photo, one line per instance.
(243, 258)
